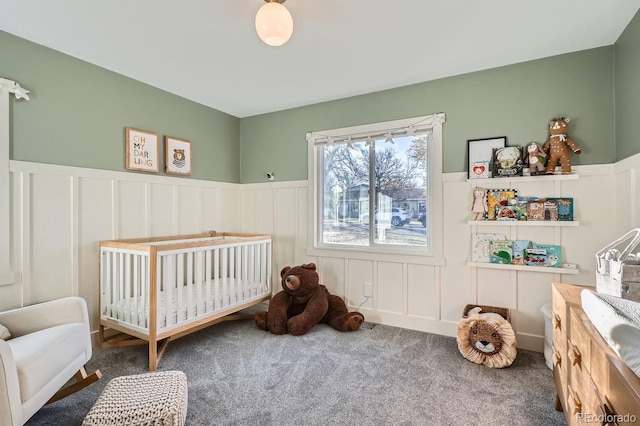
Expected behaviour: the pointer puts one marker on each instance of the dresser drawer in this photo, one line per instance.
(574, 409)
(559, 322)
(624, 398)
(583, 390)
(599, 367)
(579, 345)
(560, 379)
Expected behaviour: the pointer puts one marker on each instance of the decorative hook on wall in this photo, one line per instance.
(13, 87)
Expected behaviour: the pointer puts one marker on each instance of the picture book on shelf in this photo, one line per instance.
(518, 248)
(543, 255)
(480, 246)
(498, 197)
(522, 203)
(565, 207)
(508, 161)
(501, 251)
(550, 209)
(535, 210)
(506, 213)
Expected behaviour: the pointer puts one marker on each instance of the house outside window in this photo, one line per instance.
(376, 186)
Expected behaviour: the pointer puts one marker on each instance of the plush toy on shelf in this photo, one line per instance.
(479, 206)
(556, 146)
(536, 158)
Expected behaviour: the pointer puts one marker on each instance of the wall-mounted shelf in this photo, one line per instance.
(523, 223)
(569, 271)
(541, 178)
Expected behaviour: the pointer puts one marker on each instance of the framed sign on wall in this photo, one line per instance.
(141, 150)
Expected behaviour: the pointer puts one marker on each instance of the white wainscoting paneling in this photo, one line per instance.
(59, 214)
(408, 292)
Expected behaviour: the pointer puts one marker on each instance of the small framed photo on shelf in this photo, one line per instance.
(480, 154)
(141, 150)
(177, 156)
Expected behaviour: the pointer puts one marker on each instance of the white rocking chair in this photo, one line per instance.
(49, 344)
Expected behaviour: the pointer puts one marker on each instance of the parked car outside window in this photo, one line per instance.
(397, 217)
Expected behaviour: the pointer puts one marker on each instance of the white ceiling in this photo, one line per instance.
(208, 51)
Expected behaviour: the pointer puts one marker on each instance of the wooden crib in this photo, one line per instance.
(154, 290)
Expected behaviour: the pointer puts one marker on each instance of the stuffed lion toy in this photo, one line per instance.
(486, 338)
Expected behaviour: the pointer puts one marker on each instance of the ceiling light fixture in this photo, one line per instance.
(274, 23)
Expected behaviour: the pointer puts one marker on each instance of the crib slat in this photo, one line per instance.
(106, 284)
(126, 289)
(246, 292)
(167, 284)
(239, 274)
(189, 285)
(177, 280)
(208, 306)
(252, 270)
(266, 277)
(145, 283)
(216, 274)
(119, 288)
(198, 276)
(136, 284)
(226, 254)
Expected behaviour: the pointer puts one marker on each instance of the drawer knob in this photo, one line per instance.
(607, 414)
(576, 357)
(577, 403)
(557, 321)
(557, 359)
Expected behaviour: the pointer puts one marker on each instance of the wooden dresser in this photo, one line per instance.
(593, 385)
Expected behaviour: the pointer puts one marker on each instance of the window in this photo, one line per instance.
(376, 186)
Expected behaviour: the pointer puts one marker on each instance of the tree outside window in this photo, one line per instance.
(372, 188)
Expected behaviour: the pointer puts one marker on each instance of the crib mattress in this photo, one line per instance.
(182, 307)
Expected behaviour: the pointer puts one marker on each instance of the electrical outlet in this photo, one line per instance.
(367, 289)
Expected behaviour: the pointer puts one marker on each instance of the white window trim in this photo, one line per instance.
(435, 211)
(7, 87)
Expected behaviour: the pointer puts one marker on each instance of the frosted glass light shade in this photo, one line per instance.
(274, 24)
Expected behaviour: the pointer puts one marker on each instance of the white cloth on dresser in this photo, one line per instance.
(618, 321)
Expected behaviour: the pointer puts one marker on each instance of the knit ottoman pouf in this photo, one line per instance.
(158, 398)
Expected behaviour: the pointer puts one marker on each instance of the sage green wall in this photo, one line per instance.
(516, 101)
(78, 113)
(627, 77)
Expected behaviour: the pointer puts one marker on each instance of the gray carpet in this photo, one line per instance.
(239, 375)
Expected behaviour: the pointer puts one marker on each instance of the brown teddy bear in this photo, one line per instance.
(556, 146)
(303, 303)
